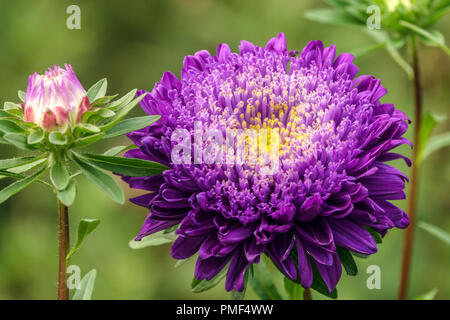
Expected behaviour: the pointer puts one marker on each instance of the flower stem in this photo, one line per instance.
(412, 199)
(64, 245)
(307, 294)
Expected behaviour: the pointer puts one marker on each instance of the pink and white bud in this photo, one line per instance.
(55, 98)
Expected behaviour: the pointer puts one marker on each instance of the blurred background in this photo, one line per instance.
(132, 44)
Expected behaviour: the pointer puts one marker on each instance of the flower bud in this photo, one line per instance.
(55, 98)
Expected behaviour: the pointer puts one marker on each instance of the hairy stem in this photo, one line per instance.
(307, 294)
(412, 199)
(64, 245)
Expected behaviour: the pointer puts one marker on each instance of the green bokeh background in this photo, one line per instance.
(132, 44)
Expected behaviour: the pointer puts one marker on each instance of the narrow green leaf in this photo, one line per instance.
(430, 295)
(17, 186)
(155, 239)
(114, 151)
(130, 125)
(121, 113)
(98, 90)
(35, 137)
(19, 140)
(103, 180)
(435, 231)
(179, 263)
(293, 290)
(85, 227)
(432, 37)
(85, 141)
(347, 261)
(15, 172)
(105, 113)
(331, 16)
(203, 285)
(67, 196)
(262, 283)
(8, 126)
(86, 286)
(118, 104)
(16, 162)
(434, 144)
(22, 95)
(87, 127)
(11, 106)
(127, 166)
(59, 175)
(57, 138)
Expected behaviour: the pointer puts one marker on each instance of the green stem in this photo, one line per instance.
(307, 294)
(412, 199)
(64, 245)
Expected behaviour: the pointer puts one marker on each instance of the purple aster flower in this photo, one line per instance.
(55, 98)
(332, 184)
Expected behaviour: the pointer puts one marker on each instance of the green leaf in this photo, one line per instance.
(122, 112)
(118, 104)
(127, 166)
(26, 167)
(11, 106)
(105, 113)
(87, 127)
(85, 227)
(430, 295)
(155, 239)
(347, 261)
(428, 123)
(434, 144)
(98, 90)
(319, 285)
(19, 140)
(103, 180)
(262, 283)
(331, 16)
(67, 196)
(59, 175)
(114, 151)
(129, 125)
(85, 141)
(86, 286)
(435, 231)
(16, 162)
(432, 37)
(17, 186)
(57, 138)
(35, 137)
(293, 290)
(21, 94)
(203, 285)
(8, 126)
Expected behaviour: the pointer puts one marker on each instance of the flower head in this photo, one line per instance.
(332, 184)
(55, 98)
